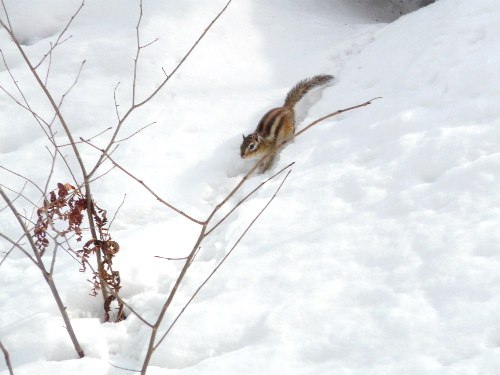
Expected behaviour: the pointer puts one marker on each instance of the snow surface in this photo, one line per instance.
(379, 255)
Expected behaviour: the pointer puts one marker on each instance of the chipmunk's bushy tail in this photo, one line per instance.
(303, 87)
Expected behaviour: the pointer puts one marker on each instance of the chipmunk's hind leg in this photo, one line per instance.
(287, 130)
(266, 163)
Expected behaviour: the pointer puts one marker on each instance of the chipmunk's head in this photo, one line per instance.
(250, 146)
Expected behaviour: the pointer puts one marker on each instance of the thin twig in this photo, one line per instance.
(335, 114)
(246, 197)
(145, 186)
(116, 102)
(54, 254)
(123, 368)
(88, 139)
(38, 119)
(136, 132)
(103, 174)
(7, 358)
(75, 81)
(26, 104)
(47, 73)
(16, 244)
(19, 194)
(116, 213)
(58, 40)
(23, 177)
(183, 258)
(138, 51)
(6, 15)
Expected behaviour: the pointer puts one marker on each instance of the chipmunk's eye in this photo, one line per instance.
(251, 146)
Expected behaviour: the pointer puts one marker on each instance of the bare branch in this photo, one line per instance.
(166, 305)
(150, 43)
(135, 104)
(138, 51)
(103, 174)
(123, 368)
(61, 34)
(47, 93)
(186, 55)
(51, 170)
(116, 102)
(47, 73)
(19, 194)
(136, 132)
(146, 186)
(183, 258)
(26, 104)
(335, 114)
(220, 263)
(116, 213)
(75, 81)
(16, 245)
(69, 135)
(54, 254)
(7, 253)
(88, 139)
(7, 358)
(6, 15)
(246, 197)
(47, 276)
(40, 121)
(23, 177)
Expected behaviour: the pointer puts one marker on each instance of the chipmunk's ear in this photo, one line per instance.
(243, 135)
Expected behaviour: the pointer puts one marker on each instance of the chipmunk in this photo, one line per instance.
(278, 125)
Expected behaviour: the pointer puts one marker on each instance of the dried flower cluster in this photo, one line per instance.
(67, 204)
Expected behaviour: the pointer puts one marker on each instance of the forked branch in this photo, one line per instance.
(136, 104)
(46, 275)
(225, 257)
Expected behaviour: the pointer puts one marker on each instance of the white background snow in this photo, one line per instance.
(380, 255)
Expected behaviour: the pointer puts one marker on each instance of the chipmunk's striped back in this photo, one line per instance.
(277, 126)
(274, 121)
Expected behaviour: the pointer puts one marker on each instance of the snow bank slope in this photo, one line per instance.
(380, 253)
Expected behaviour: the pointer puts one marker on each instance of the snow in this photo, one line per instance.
(378, 256)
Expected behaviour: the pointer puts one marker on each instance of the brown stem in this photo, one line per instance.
(46, 275)
(7, 358)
